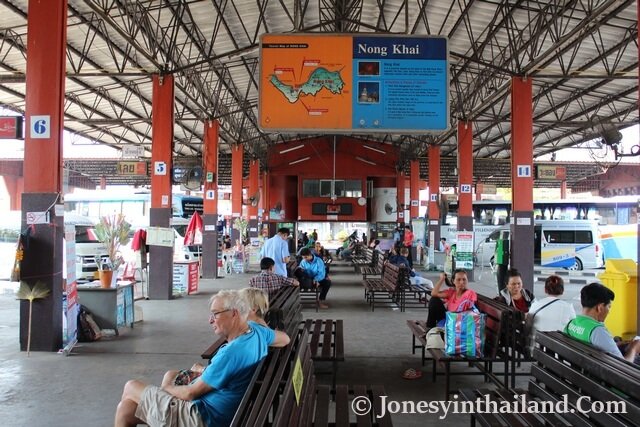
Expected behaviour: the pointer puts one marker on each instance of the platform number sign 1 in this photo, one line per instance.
(40, 127)
(524, 171)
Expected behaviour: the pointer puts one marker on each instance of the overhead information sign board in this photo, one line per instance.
(351, 84)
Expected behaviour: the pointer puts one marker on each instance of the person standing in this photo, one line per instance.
(277, 248)
(501, 258)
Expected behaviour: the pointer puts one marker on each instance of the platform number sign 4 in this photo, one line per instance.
(524, 171)
(40, 127)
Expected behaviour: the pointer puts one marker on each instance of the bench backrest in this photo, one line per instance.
(565, 366)
(498, 317)
(290, 412)
(393, 276)
(260, 400)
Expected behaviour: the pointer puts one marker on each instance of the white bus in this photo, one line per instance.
(574, 245)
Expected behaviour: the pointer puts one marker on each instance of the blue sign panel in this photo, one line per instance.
(400, 84)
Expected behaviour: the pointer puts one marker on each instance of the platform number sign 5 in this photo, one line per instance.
(160, 168)
(40, 127)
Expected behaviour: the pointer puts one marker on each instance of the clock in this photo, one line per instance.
(362, 201)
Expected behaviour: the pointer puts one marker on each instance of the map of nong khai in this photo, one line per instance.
(319, 79)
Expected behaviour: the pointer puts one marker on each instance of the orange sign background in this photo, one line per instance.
(324, 110)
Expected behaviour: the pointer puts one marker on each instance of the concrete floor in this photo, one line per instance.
(84, 388)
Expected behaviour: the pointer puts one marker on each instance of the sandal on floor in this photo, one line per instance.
(411, 374)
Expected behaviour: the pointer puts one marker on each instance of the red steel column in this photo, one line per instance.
(237, 154)
(465, 176)
(414, 189)
(522, 247)
(400, 187)
(161, 257)
(465, 181)
(210, 216)
(253, 197)
(44, 99)
(434, 196)
(563, 190)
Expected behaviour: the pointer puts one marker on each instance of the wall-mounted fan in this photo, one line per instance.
(253, 200)
(193, 178)
(388, 209)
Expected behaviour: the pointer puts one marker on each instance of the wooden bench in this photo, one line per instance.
(568, 369)
(497, 339)
(367, 259)
(386, 290)
(373, 270)
(326, 341)
(270, 398)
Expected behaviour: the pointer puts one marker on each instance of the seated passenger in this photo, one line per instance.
(414, 278)
(514, 295)
(324, 254)
(311, 273)
(458, 298)
(589, 328)
(258, 301)
(212, 398)
(268, 280)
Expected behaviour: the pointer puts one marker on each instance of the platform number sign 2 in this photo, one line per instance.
(40, 127)
(465, 188)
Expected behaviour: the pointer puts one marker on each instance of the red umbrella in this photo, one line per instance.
(193, 235)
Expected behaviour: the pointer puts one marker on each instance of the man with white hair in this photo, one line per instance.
(213, 398)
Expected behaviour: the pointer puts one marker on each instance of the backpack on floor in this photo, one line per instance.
(88, 329)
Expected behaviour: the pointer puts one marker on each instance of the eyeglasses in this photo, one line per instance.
(216, 314)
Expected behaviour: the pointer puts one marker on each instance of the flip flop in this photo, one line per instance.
(411, 374)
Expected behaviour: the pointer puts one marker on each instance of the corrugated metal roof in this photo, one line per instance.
(581, 55)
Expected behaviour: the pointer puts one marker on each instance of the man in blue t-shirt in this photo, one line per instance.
(277, 249)
(213, 398)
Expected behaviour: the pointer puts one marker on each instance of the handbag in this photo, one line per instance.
(435, 339)
(465, 333)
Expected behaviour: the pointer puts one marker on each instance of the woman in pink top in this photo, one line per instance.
(457, 298)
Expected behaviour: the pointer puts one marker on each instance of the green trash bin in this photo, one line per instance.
(621, 277)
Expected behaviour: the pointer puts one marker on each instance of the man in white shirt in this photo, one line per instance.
(277, 249)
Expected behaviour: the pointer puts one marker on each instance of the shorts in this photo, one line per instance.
(159, 408)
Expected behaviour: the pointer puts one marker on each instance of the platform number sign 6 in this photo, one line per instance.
(40, 127)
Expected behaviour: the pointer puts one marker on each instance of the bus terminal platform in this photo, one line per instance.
(83, 389)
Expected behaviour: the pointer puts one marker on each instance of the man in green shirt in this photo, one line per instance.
(589, 328)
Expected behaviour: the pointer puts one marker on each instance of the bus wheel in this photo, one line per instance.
(577, 266)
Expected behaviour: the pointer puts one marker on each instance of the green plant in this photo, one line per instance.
(26, 292)
(241, 225)
(113, 232)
